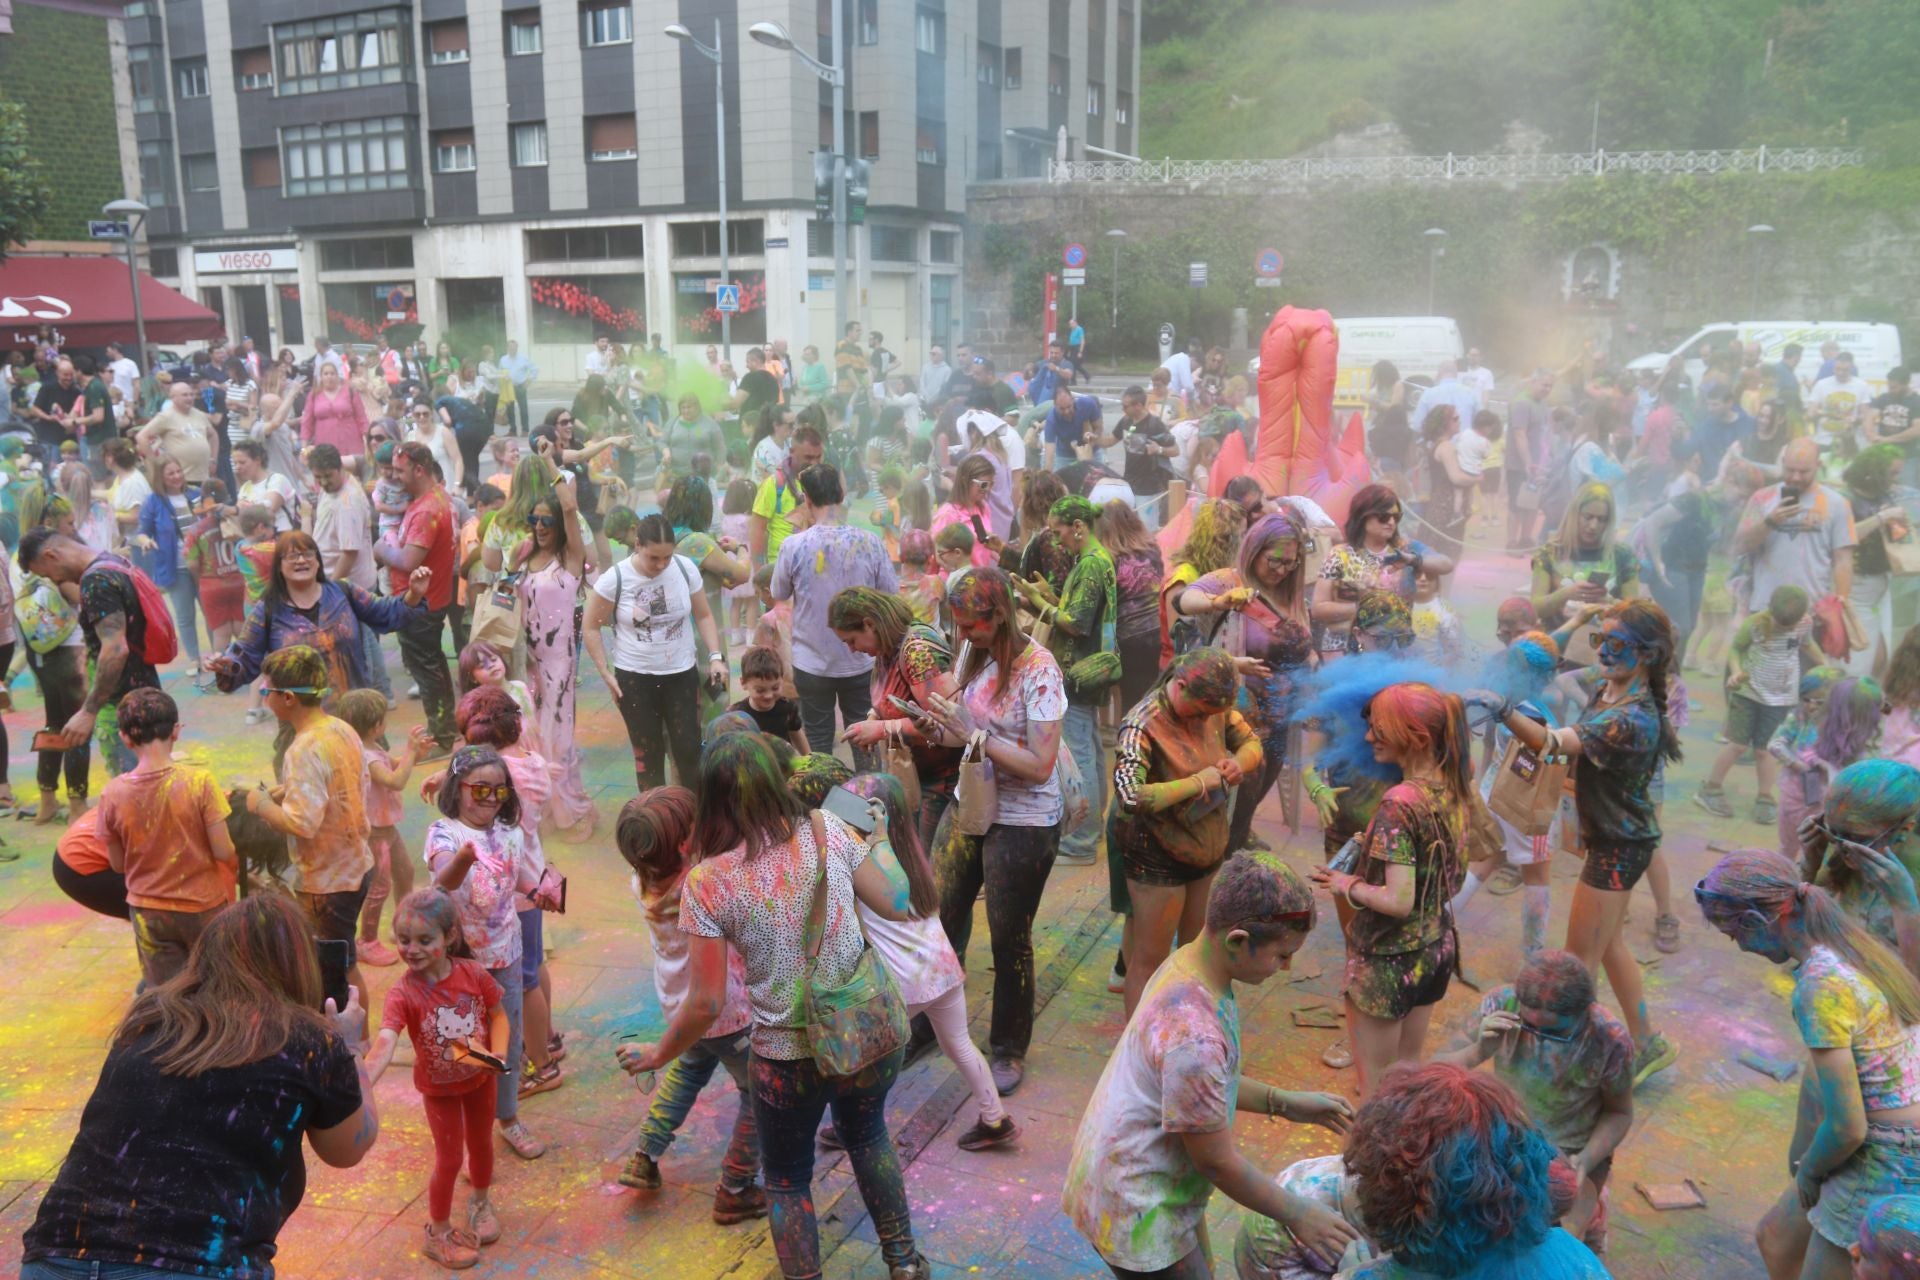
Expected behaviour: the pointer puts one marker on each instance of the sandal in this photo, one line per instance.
(540, 1080)
(556, 1047)
(1338, 1055)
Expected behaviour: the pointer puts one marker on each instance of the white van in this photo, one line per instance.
(1875, 347)
(1417, 346)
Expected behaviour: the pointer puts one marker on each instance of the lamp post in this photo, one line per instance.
(1758, 233)
(775, 36)
(678, 32)
(135, 214)
(1114, 236)
(1434, 237)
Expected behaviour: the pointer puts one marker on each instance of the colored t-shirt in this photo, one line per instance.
(1837, 1007)
(1267, 1249)
(326, 798)
(438, 1017)
(774, 502)
(1088, 605)
(1620, 749)
(1131, 1189)
(484, 900)
(814, 566)
(159, 818)
(255, 562)
(1800, 553)
(671, 980)
(82, 846)
(106, 588)
(385, 806)
(1770, 656)
(1419, 826)
(652, 615)
(1563, 1082)
(1035, 694)
(1155, 746)
(429, 523)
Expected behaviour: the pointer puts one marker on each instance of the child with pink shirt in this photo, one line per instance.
(365, 711)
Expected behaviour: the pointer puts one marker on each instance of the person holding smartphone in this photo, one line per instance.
(967, 503)
(1376, 556)
(1583, 563)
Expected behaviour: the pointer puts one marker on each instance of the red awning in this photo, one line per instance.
(87, 302)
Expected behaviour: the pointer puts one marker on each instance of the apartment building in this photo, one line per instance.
(546, 169)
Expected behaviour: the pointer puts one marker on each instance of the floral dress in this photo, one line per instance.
(1362, 571)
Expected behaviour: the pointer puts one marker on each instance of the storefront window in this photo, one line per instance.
(578, 309)
(696, 319)
(361, 312)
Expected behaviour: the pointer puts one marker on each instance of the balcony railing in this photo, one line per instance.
(1540, 167)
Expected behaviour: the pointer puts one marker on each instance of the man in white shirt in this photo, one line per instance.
(323, 353)
(1478, 376)
(1450, 390)
(260, 487)
(1180, 366)
(343, 530)
(1837, 400)
(933, 376)
(123, 373)
(600, 359)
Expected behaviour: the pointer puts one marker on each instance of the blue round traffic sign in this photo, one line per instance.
(1269, 262)
(1075, 255)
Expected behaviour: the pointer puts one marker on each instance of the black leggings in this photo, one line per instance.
(1139, 668)
(62, 676)
(1013, 863)
(663, 718)
(103, 891)
(1250, 793)
(472, 441)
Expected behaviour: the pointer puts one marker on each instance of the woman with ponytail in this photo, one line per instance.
(1402, 949)
(1858, 1009)
(1617, 745)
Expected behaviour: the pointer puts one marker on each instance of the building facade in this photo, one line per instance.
(546, 169)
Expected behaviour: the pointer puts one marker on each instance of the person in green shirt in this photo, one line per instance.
(771, 522)
(815, 382)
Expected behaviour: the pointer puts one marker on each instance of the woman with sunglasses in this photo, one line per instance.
(1858, 1010)
(1618, 744)
(1375, 557)
(427, 427)
(1402, 946)
(1872, 805)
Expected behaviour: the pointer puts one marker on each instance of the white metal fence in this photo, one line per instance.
(1544, 167)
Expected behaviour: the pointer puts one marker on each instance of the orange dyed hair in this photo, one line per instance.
(1418, 719)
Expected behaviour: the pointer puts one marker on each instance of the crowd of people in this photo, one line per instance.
(887, 647)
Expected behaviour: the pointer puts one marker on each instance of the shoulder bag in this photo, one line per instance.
(854, 1025)
(976, 802)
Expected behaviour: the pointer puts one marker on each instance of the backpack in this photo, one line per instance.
(159, 642)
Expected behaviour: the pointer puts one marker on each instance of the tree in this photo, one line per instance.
(24, 197)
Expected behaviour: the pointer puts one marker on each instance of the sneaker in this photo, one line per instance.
(521, 1140)
(1765, 811)
(730, 1206)
(918, 1269)
(376, 953)
(254, 716)
(456, 1248)
(1504, 881)
(482, 1222)
(1338, 1055)
(413, 691)
(1007, 1074)
(641, 1173)
(1666, 934)
(984, 1135)
(1655, 1055)
(1714, 802)
(535, 1080)
(1117, 977)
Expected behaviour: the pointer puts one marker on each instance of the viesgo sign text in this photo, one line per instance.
(227, 261)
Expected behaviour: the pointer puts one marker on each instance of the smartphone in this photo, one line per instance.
(336, 955)
(914, 710)
(1789, 493)
(850, 809)
(979, 531)
(1598, 578)
(49, 740)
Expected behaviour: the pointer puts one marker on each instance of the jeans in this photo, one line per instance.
(426, 662)
(1249, 794)
(663, 718)
(1080, 732)
(162, 939)
(85, 1269)
(820, 696)
(183, 593)
(1680, 597)
(1013, 863)
(788, 1100)
(506, 1094)
(377, 662)
(62, 675)
(682, 1082)
(473, 442)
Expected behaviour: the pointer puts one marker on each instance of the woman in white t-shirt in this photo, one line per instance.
(128, 487)
(653, 601)
(1012, 690)
(757, 863)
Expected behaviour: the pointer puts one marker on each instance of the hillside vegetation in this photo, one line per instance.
(1269, 78)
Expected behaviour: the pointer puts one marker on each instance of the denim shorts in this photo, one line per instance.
(1887, 1164)
(533, 947)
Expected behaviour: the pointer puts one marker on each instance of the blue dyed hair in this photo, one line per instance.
(1873, 795)
(1336, 696)
(1524, 668)
(1819, 680)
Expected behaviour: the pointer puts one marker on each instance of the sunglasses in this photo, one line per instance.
(489, 792)
(1864, 844)
(297, 555)
(542, 522)
(563, 422)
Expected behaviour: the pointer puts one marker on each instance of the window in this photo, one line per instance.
(605, 24)
(1056, 77)
(453, 151)
(156, 172)
(1122, 107)
(529, 145)
(820, 239)
(293, 325)
(575, 310)
(447, 42)
(253, 68)
(943, 246)
(584, 244)
(348, 155)
(523, 36)
(1096, 97)
(930, 32)
(612, 138)
(987, 66)
(360, 312)
(166, 262)
(138, 9)
(869, 22)
(190, 77)
(346, 52)
(869, 135)
(702, 239)
(1126, 26)
(200, 172)
(377, 254)
(930, 142)
(262, 165)
(1013, 68)
(140, 72)
(696, 319)
(893, 244)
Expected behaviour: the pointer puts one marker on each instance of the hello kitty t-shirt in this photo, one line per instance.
(437, 1016)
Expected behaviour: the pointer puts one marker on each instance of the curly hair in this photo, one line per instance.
(652, 831)
(488, 717)
(1449, 1167)
(1213, 539)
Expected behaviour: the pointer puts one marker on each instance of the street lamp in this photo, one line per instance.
(1759, 231)
(678, 32)
(1114, 236)
(775, 36)
(1435, 249)
(135, 214)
